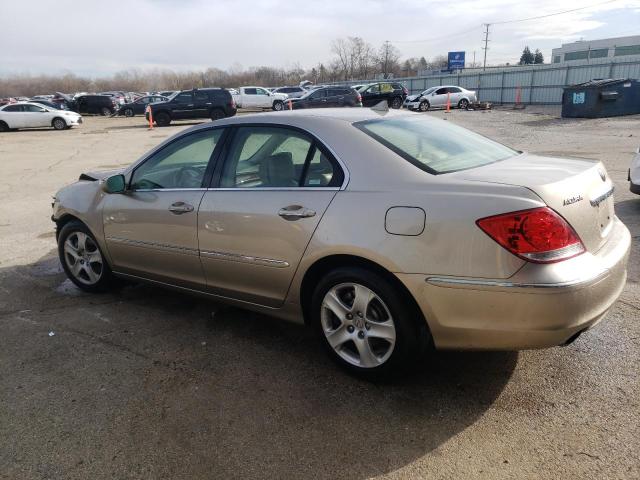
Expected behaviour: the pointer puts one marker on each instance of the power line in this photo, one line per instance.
(554, 14)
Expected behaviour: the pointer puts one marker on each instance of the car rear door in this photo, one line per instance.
(151, 229)
(13, 116)
(371, 96)
(266, 201)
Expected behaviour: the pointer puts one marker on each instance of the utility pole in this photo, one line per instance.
(485, 48)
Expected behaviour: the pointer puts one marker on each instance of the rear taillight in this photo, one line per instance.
(538, 235)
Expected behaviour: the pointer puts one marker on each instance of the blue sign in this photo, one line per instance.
(456, 60)
(578, 98)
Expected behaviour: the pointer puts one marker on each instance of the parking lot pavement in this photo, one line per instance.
(145, 383)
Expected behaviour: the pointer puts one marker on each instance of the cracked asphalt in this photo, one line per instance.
(148, 384)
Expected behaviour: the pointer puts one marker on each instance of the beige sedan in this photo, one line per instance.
(388, 233)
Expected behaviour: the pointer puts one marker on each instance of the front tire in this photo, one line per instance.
(162, 119)
(59, 124)
(424, 106)
(367, 326)
(82, 259)
(129, 112)
(105, 111)
(278, 105)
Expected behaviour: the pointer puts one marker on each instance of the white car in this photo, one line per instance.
(259, 97)
(634, 173)
(436, 97)
(32, 114)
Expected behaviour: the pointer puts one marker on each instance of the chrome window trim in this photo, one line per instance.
(282, 189)
(169, 190)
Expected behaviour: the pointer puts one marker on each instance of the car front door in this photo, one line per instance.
(34, 116)
(183, 105)
(263, 98)
(266, 201)
(439, 97)
(151, 229)
(371, 96)
(318, 98)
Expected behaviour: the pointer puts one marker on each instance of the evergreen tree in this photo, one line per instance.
(527, 57)
(538, 58)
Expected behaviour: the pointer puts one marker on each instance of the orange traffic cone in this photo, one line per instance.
(150, 112)
(448, 102)
(290, 105)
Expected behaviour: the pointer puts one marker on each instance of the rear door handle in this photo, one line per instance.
(179, 208)
(296, 212)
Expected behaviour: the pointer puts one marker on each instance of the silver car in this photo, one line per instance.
(634, 173)
(388, 233)
(437, 97)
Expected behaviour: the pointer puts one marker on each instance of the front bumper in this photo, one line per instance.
(540, 306)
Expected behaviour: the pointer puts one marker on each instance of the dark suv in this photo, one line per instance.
(333, 96)
(102, 104)
(374, 93)
(213, 103)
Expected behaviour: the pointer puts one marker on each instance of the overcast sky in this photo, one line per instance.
(91, 37)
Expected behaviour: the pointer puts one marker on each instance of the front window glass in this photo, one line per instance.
(434, 145)
(374, 89)
(180, 164)
(265, 157)
(184, 97)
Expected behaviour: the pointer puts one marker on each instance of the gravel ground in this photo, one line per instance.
(147, 383)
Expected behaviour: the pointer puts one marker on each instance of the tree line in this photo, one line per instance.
(353, 59)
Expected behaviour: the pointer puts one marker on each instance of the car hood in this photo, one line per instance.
(411, 98)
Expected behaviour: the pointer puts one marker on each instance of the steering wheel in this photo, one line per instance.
(189, 177)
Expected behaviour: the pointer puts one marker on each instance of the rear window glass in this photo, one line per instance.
(433, 145)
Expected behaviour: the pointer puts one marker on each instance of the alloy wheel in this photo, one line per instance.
(59, 124)
(83, 258)
(358, 325)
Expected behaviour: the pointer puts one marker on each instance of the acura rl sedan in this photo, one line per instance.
(389, 233)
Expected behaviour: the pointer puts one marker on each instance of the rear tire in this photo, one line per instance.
(216, 114)
(367, 326)
(82, 259)
(396, 102)
(162, 119)
(4, 127)
(105, 111)
(424, 106)
(278, 105)
(58, 124)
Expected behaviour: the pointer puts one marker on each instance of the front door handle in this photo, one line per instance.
(179, 208)
(296, 212)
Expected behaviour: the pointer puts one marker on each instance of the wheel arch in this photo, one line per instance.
(2, 122)
(326, 264)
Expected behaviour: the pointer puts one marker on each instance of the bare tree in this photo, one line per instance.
(388, 57)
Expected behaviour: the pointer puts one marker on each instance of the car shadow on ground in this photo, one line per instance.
(145, 382)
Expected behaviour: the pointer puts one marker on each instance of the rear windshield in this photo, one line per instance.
(435, 146)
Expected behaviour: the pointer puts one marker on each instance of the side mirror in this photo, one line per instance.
(115, 184)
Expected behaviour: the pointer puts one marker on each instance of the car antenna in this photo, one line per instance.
(381, 108)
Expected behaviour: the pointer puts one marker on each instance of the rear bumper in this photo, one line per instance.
(540, 306)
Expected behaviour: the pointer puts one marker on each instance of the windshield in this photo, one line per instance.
(428, 91)
(173, 95)
(435, 146)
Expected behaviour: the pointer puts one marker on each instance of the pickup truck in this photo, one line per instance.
(258, 97)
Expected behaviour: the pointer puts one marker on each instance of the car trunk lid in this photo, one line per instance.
(579, 190)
